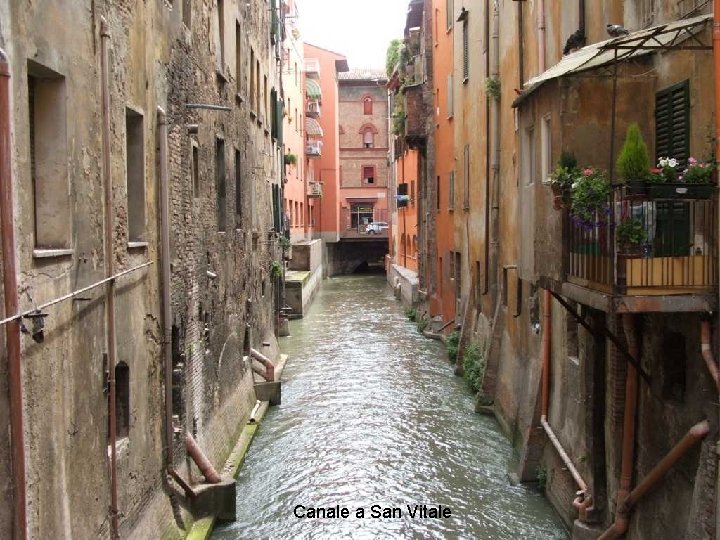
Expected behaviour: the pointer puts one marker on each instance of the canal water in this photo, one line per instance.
(372, 416)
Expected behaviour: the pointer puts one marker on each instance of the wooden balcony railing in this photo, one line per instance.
(677, 254)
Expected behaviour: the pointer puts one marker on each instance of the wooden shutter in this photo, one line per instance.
(450, 96)
(672, 122)
(466, 52)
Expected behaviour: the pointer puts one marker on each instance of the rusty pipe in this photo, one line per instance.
(696, 433)
(10, 295)
(706, 351)
(716, 58)
(203, 463)
(108, 254)
(265, 361)
(545, 346)
(622, 511)
(541, 36)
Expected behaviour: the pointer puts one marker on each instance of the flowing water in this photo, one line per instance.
(372, 415)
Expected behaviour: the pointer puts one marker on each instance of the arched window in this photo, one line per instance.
(368, 138)
(367, 105)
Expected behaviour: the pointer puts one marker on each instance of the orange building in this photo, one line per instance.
(363, 134)
(443, 298)
(296, 205)
(322, 153)
(405, 229)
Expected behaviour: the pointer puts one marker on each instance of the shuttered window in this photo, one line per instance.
(449, 13)
(450, 96)
(451, 191)
(466, 178)
(672, 122)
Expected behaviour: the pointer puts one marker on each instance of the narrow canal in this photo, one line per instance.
(371, 414)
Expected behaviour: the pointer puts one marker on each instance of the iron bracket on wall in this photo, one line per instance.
(603, 332)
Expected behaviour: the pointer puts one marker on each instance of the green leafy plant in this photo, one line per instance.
(452, 342)
(631, 232)
(591, 197)
(568, 160)
(473, 366)
(398, 115)
(290, 159)
(422, 324)
(276, 269)
(542, 476)
(633, 162)
(697, 172)
(411, 313)
(492, 86)
(392, 56)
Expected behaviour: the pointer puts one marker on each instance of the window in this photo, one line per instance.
(546, 148)
(195, 168)
(466, 51)
(265, 98)
(466, 178)
(257, 86)
(238, 57)
(368, 138)
(451, 191)
(302, 214)
(672, 122)
(122, 400)
(238, 191)
(402, 191)
(412, 192)
(368, 174)
(450, 96)
(449, 14)
(437, 193)
(135, 175)
(220, 182)
(528, 155)
(367, 105)
(221, 35)
(48, 158)
(252, 79)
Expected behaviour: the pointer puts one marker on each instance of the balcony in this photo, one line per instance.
(312, 68)
(674, 253)
(314, 190)
(313, 109)
(313, 149)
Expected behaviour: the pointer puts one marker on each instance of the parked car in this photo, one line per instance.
(376, 227)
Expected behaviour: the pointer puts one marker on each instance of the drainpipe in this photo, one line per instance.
(541, 36)
(716, 57)
(495, 188)
(12, 328)
(696, 433)
(583, 500)
(108, 254)
(166, 304)
(623, 501)
(203, 463)
(269, 374)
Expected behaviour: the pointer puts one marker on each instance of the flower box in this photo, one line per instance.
(671, 190)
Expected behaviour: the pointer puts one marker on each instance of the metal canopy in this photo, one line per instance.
(663, 37)
(312, 89)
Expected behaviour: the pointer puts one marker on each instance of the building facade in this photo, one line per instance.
(192, 126)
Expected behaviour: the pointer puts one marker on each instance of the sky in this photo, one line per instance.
(359, 29)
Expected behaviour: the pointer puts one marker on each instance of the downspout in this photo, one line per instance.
(541, 36)
(495, 188)
(10, 294)
(583, 500)
(696, 433)
(108, 255)
(166, 304)
(623, 505)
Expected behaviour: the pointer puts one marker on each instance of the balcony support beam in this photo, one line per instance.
(603, 332)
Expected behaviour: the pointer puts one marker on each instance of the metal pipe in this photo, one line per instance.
(541, 36)
(706, 351)
(109, 255)
(203, 463)
(207, 106)
(495, 167)
(622, 512)
(696, 433)
(10, 295)
(265, 361)
(716, 58)
(254, 413)
(74, 293)
(583, 499)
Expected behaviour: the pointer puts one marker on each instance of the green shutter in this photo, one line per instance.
(672, 122)
(466, 52)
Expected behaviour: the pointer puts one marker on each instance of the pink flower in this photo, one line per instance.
(692, 160)
(588, 172)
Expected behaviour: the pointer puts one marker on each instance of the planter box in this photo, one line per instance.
(675, 190)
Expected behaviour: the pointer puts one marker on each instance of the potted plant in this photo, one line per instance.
(286, 246)
(590, 198)
(670, 181)
(633, 162)
(630, 235)
(290, 159)
(562, 180)
(276, 268)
